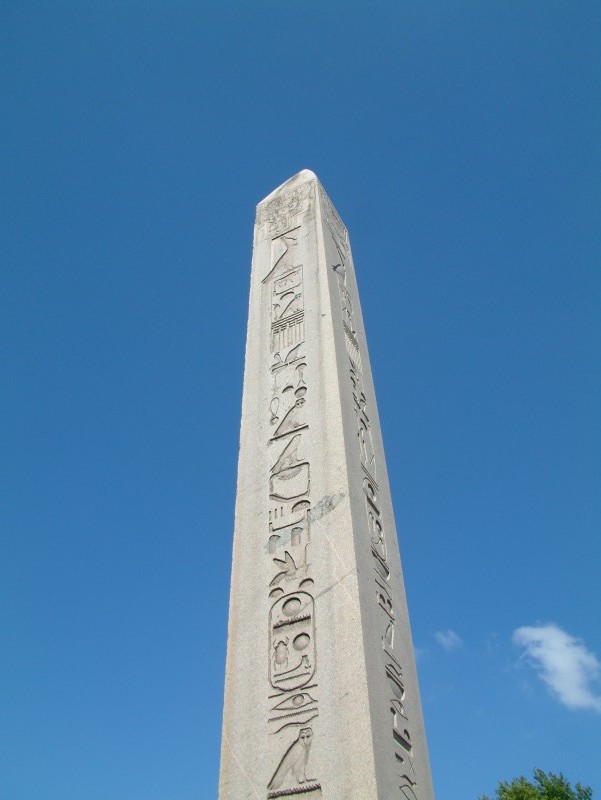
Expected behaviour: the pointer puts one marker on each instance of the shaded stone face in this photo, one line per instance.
(321, 694)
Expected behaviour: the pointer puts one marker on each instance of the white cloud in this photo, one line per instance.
(448, 640)
(564, 663)
(420, 653)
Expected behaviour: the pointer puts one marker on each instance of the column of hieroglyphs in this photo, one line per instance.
(321, 693)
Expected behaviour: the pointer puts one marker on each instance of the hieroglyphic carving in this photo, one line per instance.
(310, 791)
(348, 319)
(294, 761)
(281, 214)
(292, 650)
(335, 226)
(291, 622)
(292, 418)
(294, 711)
(287, 298)
(392, 668)
(286, 340)
(290, 474)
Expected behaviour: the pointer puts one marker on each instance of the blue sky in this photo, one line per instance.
(460, 144)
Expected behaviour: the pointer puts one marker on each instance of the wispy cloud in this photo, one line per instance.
(420, 653)
(564, 663)
(448, 640)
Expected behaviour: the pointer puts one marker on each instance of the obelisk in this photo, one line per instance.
(321, 694)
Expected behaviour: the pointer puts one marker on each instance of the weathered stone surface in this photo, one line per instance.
(321, 694)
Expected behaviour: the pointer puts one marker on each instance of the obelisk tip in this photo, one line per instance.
(303, 176)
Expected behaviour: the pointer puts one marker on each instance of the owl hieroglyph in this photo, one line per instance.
(294, 761)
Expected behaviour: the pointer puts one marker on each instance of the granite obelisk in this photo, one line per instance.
(321, 696)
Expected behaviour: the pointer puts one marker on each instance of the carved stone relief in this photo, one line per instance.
(292, 769)
(287, 339)
(336, 227)
(392, 673)
(290, 474)
(292, 416)
(287, 297)
(348, 321)
(294, 708)
(292, 629)
(284, 211)
(287, 317)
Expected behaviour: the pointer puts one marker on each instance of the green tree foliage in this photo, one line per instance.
(544, 787)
